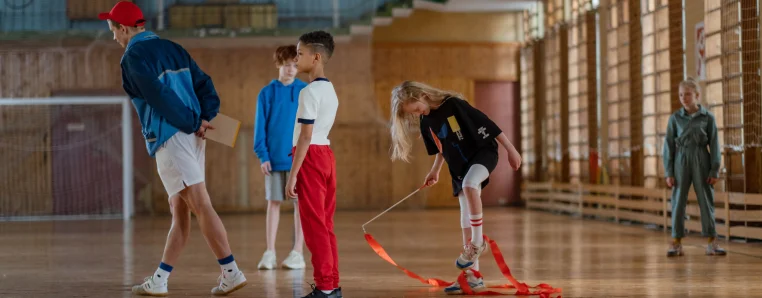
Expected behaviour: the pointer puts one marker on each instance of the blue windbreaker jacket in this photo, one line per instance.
(169, 91)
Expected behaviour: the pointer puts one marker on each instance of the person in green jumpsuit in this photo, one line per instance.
(692, 156)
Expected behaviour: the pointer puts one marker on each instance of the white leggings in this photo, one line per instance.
(474, 178)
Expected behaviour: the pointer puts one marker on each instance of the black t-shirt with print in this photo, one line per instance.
(467, 136)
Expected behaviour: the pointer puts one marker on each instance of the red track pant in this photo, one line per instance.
(316, 192)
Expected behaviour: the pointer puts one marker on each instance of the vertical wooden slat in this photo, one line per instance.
(592, 95)
(539, 111)
(676, 62)
(636, 94)
(563, 46)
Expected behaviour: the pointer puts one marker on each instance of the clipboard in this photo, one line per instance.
(225, 130)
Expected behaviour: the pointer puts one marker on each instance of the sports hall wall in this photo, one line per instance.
(364, 70)
(598, 86)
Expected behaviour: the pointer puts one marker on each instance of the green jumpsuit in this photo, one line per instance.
(691, 155)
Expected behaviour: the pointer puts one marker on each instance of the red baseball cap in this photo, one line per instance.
(125, 13)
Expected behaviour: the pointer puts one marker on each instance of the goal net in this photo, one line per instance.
(65, 158)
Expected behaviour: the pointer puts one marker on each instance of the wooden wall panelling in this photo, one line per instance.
(25, 171)
(460, 27)
(88, 9)
(262, 16)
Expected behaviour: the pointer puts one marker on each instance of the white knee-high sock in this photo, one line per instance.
(477, 238)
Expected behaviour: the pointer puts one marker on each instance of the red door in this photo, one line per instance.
(500, 101)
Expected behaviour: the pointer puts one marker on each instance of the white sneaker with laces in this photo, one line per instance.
(268, 261)
(476, 282)
(229, 283)
(294, 260)
(150, 288)
(470, 254)
(714, 249)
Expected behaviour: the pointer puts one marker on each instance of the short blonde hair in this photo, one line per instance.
(690, 83)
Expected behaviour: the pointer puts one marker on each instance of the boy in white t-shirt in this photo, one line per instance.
(313, 173)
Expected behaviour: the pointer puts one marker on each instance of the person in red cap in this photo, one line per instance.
(175, 100)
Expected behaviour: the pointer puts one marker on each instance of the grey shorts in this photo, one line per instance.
(275, 185)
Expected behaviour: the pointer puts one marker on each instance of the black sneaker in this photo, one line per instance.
(319, 294)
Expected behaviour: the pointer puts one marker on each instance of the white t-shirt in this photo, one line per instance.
(317, 106)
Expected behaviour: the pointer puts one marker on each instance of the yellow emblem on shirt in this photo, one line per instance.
(455, 127)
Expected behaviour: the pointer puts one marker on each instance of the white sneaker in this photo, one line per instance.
(150, 288)
(475, 281)
(714, 249)
(268, 261)
(470, 255)
(229, 284)
(294, 260)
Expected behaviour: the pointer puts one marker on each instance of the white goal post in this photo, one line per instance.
(88, 121)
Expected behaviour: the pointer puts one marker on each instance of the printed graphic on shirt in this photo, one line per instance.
(443, 132)
(459, 132)
(455, 127)
(483, 131)
(436, 140)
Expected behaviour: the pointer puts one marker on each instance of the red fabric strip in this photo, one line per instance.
(543, 290)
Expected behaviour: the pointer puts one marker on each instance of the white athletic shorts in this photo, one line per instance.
(180, 161)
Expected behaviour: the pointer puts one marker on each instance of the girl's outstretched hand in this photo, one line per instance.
(431, 179)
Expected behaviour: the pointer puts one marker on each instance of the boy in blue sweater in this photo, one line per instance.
(175, 100)
(273, 132)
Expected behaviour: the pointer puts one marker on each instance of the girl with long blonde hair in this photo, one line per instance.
(467, 140)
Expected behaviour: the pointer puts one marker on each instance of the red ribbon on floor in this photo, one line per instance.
(544, 290)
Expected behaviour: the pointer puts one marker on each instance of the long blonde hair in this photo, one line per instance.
(401, 123)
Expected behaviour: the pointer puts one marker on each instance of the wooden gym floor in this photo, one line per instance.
(583, 257)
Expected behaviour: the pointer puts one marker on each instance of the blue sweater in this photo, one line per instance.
(274, 123)
(169, 91)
